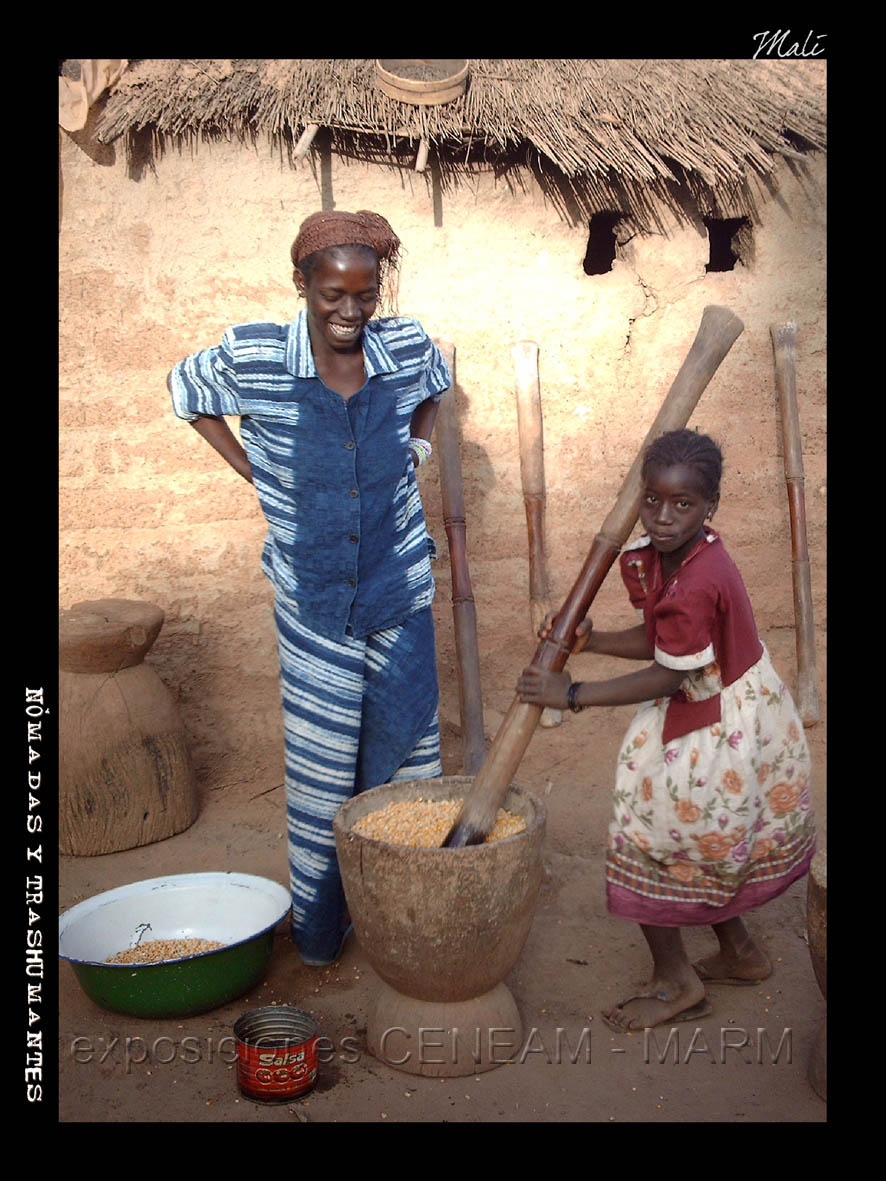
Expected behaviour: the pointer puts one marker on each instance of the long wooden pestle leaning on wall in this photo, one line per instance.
(784, 345)
(464, 611)
(530, 430)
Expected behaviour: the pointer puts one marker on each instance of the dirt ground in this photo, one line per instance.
(747, 1061)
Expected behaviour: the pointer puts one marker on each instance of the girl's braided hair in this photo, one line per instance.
(695, 450)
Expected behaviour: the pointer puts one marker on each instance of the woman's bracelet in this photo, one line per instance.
(572, 698)
(422, 450)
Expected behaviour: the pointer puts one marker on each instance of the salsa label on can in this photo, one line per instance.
(271, 1072)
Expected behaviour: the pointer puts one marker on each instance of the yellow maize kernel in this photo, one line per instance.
(426, 823)
(155, 951)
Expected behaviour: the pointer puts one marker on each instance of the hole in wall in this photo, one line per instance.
(600, 253)
(728, 241)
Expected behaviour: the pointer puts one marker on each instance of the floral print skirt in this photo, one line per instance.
(714, 823)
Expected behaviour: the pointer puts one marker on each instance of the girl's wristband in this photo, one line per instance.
(572, 698)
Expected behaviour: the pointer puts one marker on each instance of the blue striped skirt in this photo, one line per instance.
(356, 713)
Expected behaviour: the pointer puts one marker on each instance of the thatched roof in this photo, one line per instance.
(606, 133)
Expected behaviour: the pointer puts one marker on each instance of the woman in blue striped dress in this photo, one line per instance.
(336, 410)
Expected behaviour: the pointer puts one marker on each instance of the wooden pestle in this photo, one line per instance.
(718, 331)
(464, 612)
(784, 344)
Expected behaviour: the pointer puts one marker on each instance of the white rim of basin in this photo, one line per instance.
(229, 908)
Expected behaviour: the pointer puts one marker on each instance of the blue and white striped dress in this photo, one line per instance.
(348, 554)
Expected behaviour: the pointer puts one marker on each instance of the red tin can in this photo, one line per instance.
(276, 1053)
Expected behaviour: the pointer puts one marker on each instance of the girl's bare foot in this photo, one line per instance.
(665, 1001)
(739, 961)
(729, 967)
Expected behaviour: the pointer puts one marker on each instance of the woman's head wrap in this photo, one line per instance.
(337, 228)
(325, 230)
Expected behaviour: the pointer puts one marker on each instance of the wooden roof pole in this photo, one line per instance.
(305, 140)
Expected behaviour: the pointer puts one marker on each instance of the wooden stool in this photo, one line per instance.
(125, 774)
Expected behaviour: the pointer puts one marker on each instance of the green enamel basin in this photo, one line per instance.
(239, 910)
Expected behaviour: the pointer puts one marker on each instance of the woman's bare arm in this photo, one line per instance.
(423, 418)
(219, 435)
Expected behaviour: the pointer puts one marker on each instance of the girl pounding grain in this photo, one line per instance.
(712, 813)
(336, 412)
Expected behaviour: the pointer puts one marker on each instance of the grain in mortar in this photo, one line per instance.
(426, 823)
(155, 951)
